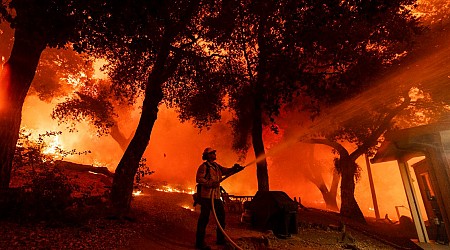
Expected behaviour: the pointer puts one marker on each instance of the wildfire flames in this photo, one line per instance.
(166, 189)
(188, 207)
(137, 192)
(53, 146)
(169, 189)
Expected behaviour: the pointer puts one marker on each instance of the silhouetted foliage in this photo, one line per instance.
(37, 25)
(59, 72)
(142, 171)
(91, 103)
(43, 191)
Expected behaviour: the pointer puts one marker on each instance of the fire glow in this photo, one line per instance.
(137, 193)
(53, 146)
(188, 207)
(169, 189)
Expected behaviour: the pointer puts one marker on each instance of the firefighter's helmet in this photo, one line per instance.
(206, 152)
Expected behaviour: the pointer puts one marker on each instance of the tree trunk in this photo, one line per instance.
(314, 174)
(347, 165)
(258, 146)
(15, 80)
(123, 181)
(333, 191)
(349, 206)
(122, 188)
(257, 126)
(329, 198)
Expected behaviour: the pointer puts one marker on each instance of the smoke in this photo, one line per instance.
(36, 117)
(175, 148)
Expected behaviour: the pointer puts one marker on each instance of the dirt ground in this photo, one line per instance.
(160, 221)
(170, 226)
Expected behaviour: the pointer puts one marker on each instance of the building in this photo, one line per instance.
(432, 174)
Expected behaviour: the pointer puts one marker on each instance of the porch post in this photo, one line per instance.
(413, 201)
(372, 188)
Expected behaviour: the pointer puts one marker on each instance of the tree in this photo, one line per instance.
(94, 103)
(362, 51)
(314, 172)
(37, 25)
(64, 72)
(418, 99)
(58, 71)
(251, 35)
(153, 48)
(368, 131)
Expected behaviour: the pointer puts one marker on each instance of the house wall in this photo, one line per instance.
(441, 163)
(445, 141)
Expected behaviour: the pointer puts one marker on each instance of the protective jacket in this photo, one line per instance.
(207, 177)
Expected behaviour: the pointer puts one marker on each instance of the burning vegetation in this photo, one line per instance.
(301, 93)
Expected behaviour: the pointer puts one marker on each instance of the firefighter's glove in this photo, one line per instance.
(237, 168)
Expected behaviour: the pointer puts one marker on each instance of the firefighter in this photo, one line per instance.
(208, 177)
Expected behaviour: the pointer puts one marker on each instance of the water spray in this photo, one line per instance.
(432, 67)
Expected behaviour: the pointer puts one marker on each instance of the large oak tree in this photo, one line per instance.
(153, 48)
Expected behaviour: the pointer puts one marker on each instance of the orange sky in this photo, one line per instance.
(175, 151)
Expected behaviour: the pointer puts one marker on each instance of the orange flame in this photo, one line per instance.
(169, 189)
(52, 148)
(188, 207)
(137, 193)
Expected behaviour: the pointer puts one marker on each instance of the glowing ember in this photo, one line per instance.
(99, 164)
(137, 193)
(53, 146)
(169, 189)
(187, 207)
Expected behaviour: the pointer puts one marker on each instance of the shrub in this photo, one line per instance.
(43, 191)
(142, 171)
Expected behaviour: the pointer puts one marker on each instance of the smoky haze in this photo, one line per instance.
(175, 148)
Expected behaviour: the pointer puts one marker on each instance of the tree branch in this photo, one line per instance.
(338, 147)
(384, 125)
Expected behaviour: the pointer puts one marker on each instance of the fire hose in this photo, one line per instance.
(220, 226)
(217, 219)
